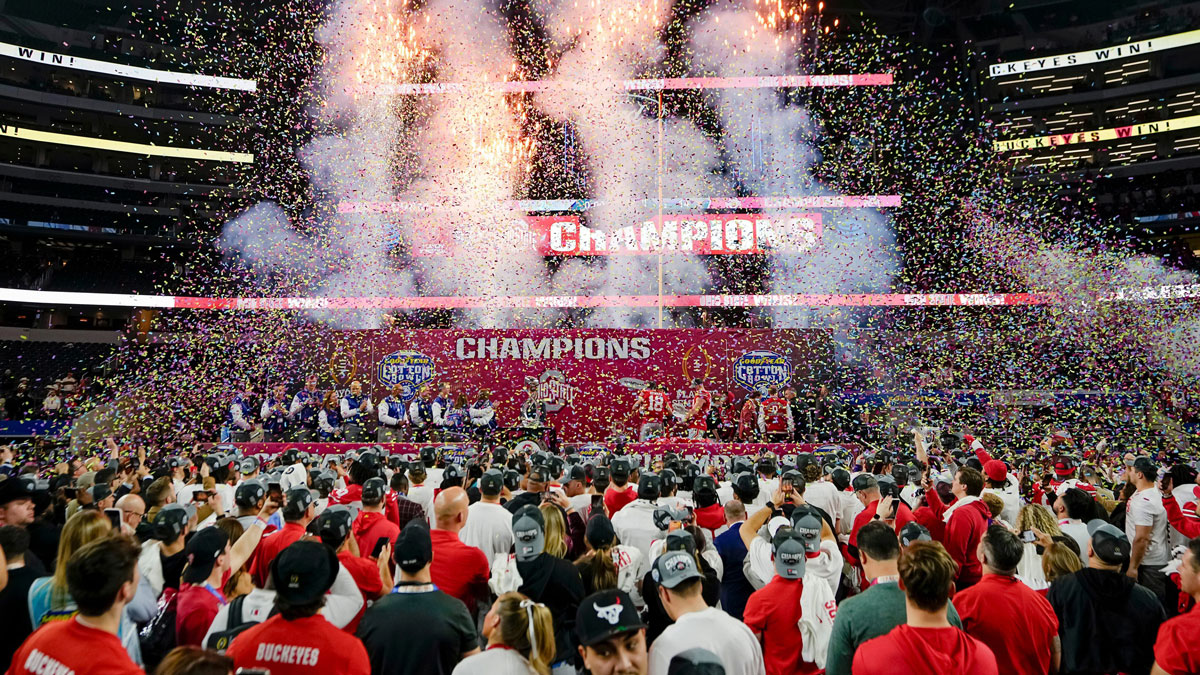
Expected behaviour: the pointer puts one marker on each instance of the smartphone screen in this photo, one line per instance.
(1027, 536)
(379, 544)
(785, 485)
(114, 517)
(200, 497)
(275, 492)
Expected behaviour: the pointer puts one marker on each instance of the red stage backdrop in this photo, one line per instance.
(590, 376)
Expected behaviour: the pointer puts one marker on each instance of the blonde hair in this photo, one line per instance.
(1059, 560)
(82, 528)
(528, 628)
(1033, 515)
(556, 531)
(994, 503)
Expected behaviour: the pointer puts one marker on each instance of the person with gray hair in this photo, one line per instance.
(1015, 621)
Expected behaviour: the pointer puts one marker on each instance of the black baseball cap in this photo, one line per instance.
(452, 472)
(170, 520)
(491, 483)
(248, 493)
(746, 485)
(913, 531)
(298, 501)
(1109, 543)
(704, 484)
(414, 547)
(202, 552)
(620, 468)
(604, 615)
(575, 472)
(599, 531)
(1146, 466)
(304, 571)
(374, 489)
(649, 486)
(12, 489)
(100, 491)
(864, 481)
(695, 661)
(539, 474)
(333, 525)
(512, 479)
(600, 477)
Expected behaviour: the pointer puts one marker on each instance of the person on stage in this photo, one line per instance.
(306, 404)
(329, 419)
(276, 417)
(393, 418)
(420, 414)
(697, 417)
(775, 421)
(483, 415)
(355, 409)
(241, 416)
(440, 406)
(648, 410)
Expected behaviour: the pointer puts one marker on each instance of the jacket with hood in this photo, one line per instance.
(920, 651)
(369, 527)
(1106, 621)
(966, 522)
(352, 494)
(555, 583)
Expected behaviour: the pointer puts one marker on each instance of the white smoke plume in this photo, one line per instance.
(769, 142)
(620, 136)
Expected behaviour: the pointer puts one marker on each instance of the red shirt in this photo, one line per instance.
(269, 547)
(1015, 621)
(71, 647)
(775, 415)
(965, 528)
(903, 517)
(1177, 649)
(353, 493)
(366, 576)
(921, 651)
(773, 611)
(710, 517)
(615, 498)
(301, 647)
(369, 527)
(653, 406)
(459, 570)
(195, 609)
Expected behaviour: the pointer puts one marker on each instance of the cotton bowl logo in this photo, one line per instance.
(408, 369)
(554, 389)
(760, 369)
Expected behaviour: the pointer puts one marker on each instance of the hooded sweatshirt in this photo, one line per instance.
(920, 651)
(966, 523)
(369, 527)
(555, 583)
(1106, 621)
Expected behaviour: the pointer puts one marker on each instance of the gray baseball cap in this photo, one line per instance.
(673, 568)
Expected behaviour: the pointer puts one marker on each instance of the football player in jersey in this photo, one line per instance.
(697, 417)
(775, 421)
(648, 410)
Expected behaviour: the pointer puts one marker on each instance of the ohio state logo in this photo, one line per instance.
(554, 390)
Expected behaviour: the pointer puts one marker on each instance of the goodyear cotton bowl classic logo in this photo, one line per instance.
(408, 369)
(760, 369)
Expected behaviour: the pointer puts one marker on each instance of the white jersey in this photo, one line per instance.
(759, 566)
(823, 496)
(423, 495)
(489, 529)
(712, 629)
(1012, 504)
(1146, 508)
(634, 525)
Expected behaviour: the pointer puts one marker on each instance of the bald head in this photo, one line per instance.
(133, 510)
(450, 509)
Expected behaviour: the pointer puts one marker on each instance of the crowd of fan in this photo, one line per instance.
(916, 560)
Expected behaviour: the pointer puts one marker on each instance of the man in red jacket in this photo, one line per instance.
(1015, 621)
(372, 524)
(966, 521)
(866, 489)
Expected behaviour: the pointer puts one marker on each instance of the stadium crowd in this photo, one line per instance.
(938, 555)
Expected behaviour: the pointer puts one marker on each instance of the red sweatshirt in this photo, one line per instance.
(1186, 526)
(965, 528)
(369, 527)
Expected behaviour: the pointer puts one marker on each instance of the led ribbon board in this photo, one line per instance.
(1113, 134)
(1138, 294)
(123, 71)
(670, 203)
(656, 84)
(21, 133)
(1095, 55)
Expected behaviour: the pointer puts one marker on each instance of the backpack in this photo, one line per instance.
(157, 637)
(235, 625)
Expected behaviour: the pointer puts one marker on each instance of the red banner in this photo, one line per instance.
(589, 378)
(697, 234)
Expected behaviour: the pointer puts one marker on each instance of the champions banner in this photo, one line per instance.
(588, 378)
(702, 234)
